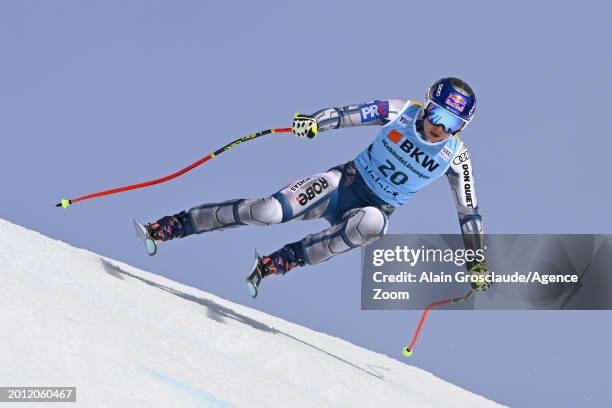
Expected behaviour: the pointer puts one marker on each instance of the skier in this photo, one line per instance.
(415, 145)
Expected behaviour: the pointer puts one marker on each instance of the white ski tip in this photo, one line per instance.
(143, 235)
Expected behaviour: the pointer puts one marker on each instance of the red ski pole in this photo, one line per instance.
(407, 351)
(65, 202)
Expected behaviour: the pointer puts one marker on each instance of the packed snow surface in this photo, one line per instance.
(128, 338)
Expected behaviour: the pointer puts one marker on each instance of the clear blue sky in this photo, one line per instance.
(95, 95)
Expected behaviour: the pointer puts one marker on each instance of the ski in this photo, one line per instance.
(255, 277)
(143, 234)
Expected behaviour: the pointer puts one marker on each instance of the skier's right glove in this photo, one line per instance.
(304, 126)
(483, 274)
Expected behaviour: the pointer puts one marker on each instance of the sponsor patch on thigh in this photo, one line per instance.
(301, 194)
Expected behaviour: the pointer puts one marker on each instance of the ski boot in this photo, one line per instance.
(165, 229)
(279, 262)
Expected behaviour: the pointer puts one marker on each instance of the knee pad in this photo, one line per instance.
(262, 211)
(365, 225)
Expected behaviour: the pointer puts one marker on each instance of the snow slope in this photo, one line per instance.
(129, 338)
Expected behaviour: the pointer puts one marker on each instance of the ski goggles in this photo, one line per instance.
(437, 115)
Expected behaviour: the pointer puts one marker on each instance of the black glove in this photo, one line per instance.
(304, 126)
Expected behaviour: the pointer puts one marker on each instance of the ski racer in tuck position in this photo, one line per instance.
(415, 145)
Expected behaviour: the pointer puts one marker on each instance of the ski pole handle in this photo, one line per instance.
(65, 203)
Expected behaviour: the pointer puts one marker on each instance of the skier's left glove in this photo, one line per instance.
(304, 126)
(482, 272)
